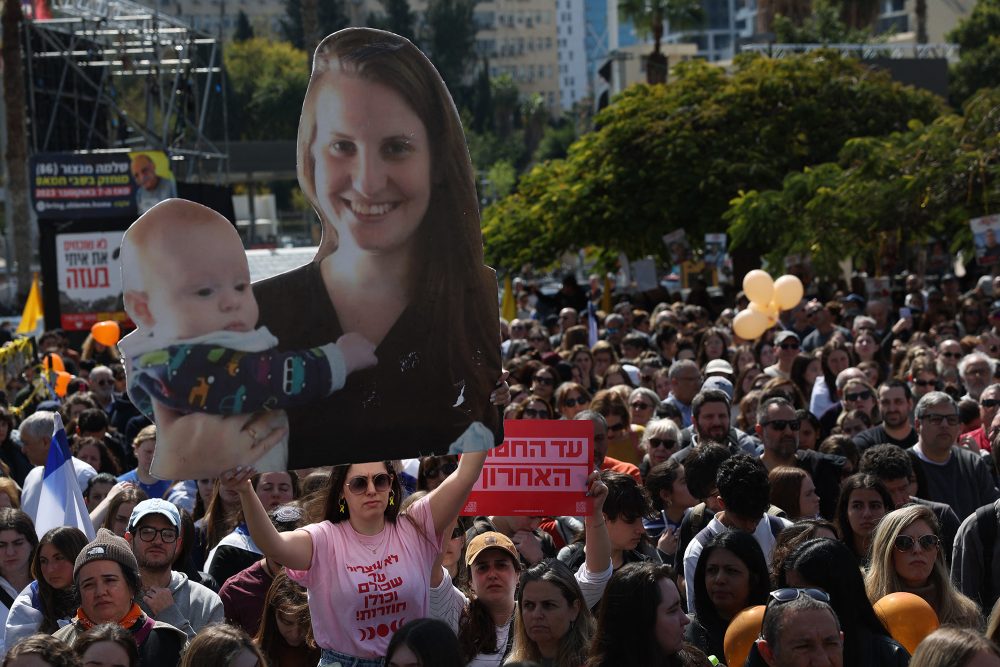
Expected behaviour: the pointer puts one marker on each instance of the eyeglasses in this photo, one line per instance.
(905, 543)
(938, 419)
(445, 470)
(358, 485)
(782, 424)
(639, 405)
(793, 345)
(952, 355)
(976, 371)
(783, 595)
(660, 442)
(990, 402)
(541, 379)
(573, 402)
(925, 383)
(859, 396)
(103, 383)
(532, 413)
(148, 534)
(645, 378)
(617, 428)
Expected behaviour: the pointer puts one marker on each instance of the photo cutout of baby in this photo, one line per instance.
(383, 160)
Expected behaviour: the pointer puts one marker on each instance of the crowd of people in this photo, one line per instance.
(843, 457)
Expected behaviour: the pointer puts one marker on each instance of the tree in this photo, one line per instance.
(269, 82)
(823, 26)
(16, 153)
(882, 193)
(450, 42)
(648, 16)
(978, 38)
(244, 30)
(396, 17)
(330, 17)
(670, 157)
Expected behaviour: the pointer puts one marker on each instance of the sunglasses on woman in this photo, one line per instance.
(358, 485)
(531, 413)
(573, 402)
(905, 543)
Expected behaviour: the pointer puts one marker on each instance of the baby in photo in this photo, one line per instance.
(197, 346)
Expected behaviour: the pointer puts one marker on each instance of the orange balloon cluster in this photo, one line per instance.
(741, 634)
(907, 617)
(106, 333)
(767, 299)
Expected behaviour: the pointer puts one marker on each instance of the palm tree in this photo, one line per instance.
(648, 17)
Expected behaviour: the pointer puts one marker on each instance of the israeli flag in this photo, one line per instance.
(592, 336)
(60, 501)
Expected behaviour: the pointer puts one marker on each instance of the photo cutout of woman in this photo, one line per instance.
(382, 158)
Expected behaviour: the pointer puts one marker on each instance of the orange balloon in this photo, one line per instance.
(741, 634)
(106, 332)
(53, 362)
(62, 383)
(908, 617)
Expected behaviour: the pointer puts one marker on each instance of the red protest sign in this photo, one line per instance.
(540, 470)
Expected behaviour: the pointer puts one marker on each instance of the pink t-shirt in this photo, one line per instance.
(363, 588)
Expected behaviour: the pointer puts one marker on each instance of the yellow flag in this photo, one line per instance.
(32, 309)
(508, 307)
(606, 297)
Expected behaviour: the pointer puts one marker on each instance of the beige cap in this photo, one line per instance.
(490, 540)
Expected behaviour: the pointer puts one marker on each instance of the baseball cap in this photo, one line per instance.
(720, 383)
(718, 366)
(490, 540)
(155, 506)
(782, 336)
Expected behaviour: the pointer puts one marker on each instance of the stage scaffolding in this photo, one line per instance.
(114, 75)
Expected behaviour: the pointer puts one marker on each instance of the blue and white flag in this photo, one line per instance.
(60, 501)
(592, 336)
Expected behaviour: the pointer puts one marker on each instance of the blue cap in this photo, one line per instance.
(155, 506)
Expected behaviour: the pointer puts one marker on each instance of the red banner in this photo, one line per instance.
(540, 469)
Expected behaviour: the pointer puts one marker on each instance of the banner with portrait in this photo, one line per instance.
(385, 346)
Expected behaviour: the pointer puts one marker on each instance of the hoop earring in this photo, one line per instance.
(343, 507)
(392, 498)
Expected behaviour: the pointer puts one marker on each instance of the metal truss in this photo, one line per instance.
(114, 75)
(864, 51)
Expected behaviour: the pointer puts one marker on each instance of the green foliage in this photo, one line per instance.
(913, 185)
(450, 41)
(823, 26)
(978, 37)
(669, 157)
(397, 17)
(331, 15)
(268, 81)
(555, 142)
(244, 30)
(502, 177)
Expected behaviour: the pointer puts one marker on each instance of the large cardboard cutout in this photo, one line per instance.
(383, 160)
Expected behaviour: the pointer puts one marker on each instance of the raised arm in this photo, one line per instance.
(597, 543)
(446, 500)
(292, 549)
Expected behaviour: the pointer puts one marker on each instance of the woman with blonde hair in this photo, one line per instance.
(906, 557)
(956, 647)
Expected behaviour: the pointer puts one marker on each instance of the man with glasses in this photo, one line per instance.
(778, 428)
(786, 345)
(710, 422)
(976, 370)
(895, 402)
(948, 473)
(989, 401)
(949, 353)
(168, 596)
(800, 629)
(685, 383)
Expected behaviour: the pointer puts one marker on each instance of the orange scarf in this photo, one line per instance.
(127, 621)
